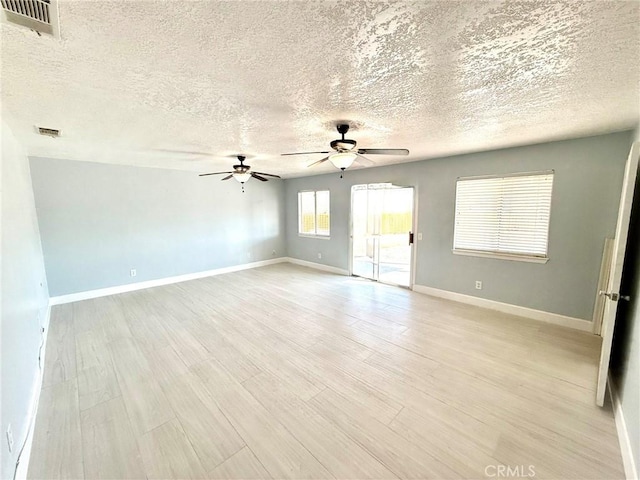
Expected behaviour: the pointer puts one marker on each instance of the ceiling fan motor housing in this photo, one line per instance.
(343, 145)
(242, 168)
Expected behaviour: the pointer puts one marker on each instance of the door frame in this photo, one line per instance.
(414, 226)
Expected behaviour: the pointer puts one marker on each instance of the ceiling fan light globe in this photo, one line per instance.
(242, 177)
(342, 160)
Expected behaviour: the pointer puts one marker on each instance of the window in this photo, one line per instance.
(313, 213)
(506, 216)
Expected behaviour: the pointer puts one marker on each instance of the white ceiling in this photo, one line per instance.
(130, 79)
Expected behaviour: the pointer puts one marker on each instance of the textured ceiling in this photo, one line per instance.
(130, 80)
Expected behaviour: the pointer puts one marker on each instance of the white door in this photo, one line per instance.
(615, 276)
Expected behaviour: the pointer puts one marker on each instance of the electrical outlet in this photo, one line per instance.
(10, 438)
(478, 285)
(420, 236)
(319, 255)
(133, 272)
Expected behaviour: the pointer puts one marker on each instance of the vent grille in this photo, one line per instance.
(34, 9)
(49, 132)
(38, 15)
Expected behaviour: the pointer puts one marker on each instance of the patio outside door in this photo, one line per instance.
(382, 238)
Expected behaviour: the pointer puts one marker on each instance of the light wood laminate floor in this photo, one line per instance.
(286, 372)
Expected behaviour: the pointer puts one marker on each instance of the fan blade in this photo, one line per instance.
(255, 175)
(268, 174)
(184, 152)
(364, 161)
(384, 151)
(303, 153)
(213, 173)
(227, 177)
(319, 161)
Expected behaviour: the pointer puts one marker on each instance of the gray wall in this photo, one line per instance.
(588, 178)
(24, 299)
(625, 359)
(99, 221)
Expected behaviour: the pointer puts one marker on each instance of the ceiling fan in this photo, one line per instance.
(242, 173)
(346, 152)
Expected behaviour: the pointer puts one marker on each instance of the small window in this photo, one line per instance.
(313, 213)
(504, 216)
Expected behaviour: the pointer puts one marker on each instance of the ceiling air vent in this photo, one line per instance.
(49, 132)
(41, 16)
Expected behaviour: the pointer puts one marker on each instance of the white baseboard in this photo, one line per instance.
(104, 292)
(24, 456)
(317, 266)
(630, 470)
(565, 321)
(548, 317)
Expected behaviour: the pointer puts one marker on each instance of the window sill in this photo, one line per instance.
(501, 256)
(320, 237)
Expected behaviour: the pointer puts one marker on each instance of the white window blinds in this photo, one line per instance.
(506, 215)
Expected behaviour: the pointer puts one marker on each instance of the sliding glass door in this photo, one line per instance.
(382, 238)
